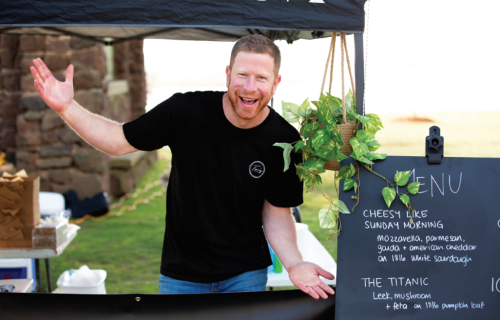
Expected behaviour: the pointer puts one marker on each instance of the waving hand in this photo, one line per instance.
(56, 94)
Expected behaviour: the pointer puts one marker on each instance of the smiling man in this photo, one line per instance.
(227, 191)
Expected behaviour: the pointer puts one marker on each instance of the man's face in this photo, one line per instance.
(251, 83)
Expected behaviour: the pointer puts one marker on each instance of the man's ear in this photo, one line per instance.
(228, 76)
(276, 82)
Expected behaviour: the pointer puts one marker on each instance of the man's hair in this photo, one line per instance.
(257, 43)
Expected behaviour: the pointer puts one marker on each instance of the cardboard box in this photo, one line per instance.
(50, 234)
(19, 210)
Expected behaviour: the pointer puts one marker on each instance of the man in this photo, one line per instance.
(226, 180)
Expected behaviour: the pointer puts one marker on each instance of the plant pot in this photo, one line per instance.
(347, 133)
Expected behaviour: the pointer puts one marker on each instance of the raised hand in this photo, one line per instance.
(305, 276)
(56, 94)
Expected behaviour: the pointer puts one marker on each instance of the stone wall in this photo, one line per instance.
(34, 137)
(129, 65)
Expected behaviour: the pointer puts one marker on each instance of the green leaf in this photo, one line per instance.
(310, 127)
(299, 145)
(328, 218)
(337, 136)
(323, 96)
(331, 130)
(308, 182)
(374, 148)
(310, 113)
(349, 184)
(373, 125)
(340, 206)
(316, 103)
(300, 171)
(327, 151)
(314, 163)
(350, 103)
(303, 108)
(290, 111)
(346, 172)
(325, 116)
(359, 148)
(361, 159)
(389, 195)
(318, 179)
(309, 144)
(375, 156)
(320, 137)
(339, 156)
(371, 142)
(371, 129)
(375, 119)
(362, 136)
(413, 187)
(364, 120)
(401, 178)
(335, 104)
(287, 148)
(405, 199)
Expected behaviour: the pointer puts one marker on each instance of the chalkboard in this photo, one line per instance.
(445, 265)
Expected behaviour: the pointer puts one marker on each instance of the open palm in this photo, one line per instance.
(56, 94)
(305, 276)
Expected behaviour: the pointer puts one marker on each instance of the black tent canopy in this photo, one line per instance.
(210, 20)
(204, 19)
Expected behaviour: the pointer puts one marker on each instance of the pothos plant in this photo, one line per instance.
(321, 141)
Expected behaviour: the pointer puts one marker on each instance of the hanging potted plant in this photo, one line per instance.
(331, 131)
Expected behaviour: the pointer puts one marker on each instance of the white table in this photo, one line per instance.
(21, 285)
(41, 254)
(313, 251)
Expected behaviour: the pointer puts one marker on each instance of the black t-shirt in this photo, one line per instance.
(220, 177)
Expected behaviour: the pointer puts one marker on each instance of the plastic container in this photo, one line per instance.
(18, 269)
(277, 267)
(73, 281)
(51, 203)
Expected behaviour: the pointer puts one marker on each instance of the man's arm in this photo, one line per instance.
(279, 227)
(103, 134)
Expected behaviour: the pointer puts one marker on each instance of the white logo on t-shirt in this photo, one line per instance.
(257, 169)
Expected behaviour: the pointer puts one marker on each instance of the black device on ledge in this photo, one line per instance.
(434, 145)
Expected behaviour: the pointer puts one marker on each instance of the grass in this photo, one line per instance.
(129, 247)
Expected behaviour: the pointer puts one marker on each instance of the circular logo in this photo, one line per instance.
(257, 169)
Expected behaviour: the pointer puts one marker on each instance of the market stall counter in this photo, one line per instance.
(37, 254)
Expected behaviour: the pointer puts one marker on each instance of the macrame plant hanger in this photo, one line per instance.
(347, 129)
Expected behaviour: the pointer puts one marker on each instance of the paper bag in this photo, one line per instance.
(19, 210)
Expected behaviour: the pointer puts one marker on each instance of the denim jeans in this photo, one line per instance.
(248, 281)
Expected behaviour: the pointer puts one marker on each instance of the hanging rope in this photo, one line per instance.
(342, 40)
(331, 52)
(334, 38)
(330, 61)
(349, 66)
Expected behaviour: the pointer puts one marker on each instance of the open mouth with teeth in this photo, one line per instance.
(248, 102)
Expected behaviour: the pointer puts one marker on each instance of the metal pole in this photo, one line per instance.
(360, 73)
(37, 272)
(47, 270)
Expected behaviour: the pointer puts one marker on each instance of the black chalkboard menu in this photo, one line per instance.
(444, 265)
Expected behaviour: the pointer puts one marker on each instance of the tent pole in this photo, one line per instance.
(360, 73)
